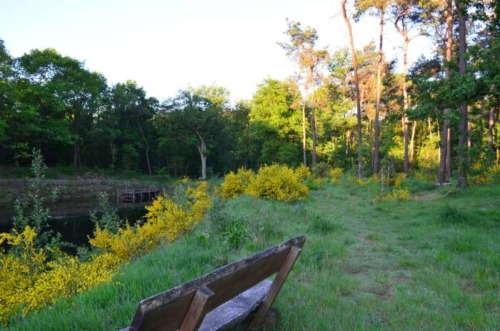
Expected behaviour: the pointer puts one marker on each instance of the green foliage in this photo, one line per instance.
(275, 123)
(450, 214)
(321, 225)
(428, 155)
(415, 185)
(31, 210)
(108, 218)
(483, 174)
(232, 232)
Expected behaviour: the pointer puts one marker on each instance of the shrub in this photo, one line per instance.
(428, 155)
(166, 220)
(235, 183)
(398, 180)
(449, 214)
(306, 176)
(108, 218)
(335, 174)
(33, 277)
(321, 225)
(481, 175)
(303, 172)
(30, 280)
(396, 194)
(322, 170)
(234, 233)
(276, 182)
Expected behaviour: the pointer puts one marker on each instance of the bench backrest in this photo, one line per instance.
(167, 310)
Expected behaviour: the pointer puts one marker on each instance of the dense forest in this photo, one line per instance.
(353, 108)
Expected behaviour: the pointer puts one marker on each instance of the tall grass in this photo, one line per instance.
(431, 263)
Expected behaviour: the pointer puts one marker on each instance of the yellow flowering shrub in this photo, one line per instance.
(200, 200)
(374, 179)
(303, 172)
(28, 280)
(165, 221)
(236, 183)
(307, 177)
(277, 182)
(394, 195)
(336, 174)
(19, 270)
(399, 180)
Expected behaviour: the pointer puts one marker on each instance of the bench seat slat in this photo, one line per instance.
(237, 309)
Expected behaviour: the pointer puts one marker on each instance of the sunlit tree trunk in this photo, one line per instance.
(313, 119)
(403, 31)
(304, 132)
(443, 173)
(376, 146)
(356, 86)
(448, 154)
(412, 140)
(491, 126)
(463, 160)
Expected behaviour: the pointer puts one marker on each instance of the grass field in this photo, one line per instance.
(432, 263)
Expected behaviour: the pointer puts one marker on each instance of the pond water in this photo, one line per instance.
(75, 225)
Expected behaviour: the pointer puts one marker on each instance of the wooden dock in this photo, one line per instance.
(138, 195)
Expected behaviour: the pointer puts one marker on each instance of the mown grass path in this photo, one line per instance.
(425, 264)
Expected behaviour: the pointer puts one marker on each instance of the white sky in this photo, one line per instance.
(167, 45)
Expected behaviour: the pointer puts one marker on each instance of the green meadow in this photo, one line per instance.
(431, 263)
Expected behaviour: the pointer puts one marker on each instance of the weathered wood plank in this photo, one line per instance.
(237, 309)
(278, 282)
(165, 311)
(197, 309)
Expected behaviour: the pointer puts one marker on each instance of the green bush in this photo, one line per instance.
(449, 214)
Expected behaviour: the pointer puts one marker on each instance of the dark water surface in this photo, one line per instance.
(75, 225)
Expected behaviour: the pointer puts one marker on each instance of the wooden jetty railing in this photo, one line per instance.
(138, 195)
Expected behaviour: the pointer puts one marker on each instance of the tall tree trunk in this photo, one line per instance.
(202, 149)
(112, 150)
(443, 173)
(448, 154)
(313, 120)
(304, 133)
(379, 93)
(491, 126)
(429, 127)
(356, 86)
(463, 161)
(77, 161)
(403, 31)
(147, 147)
(412, 140)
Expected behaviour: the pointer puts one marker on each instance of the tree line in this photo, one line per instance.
(348, 108)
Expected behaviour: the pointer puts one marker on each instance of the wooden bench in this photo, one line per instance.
(236, 294)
